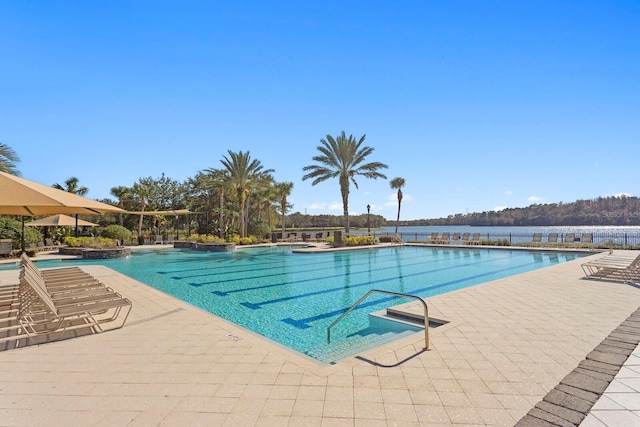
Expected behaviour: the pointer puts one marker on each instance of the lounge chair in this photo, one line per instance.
(456, 238)
(570, 238)
(158, 239)
(613, 267)
(537, 238)
(170, 239)
(475, 239)
(444, 239)
(552, 238)
(40, 312)
(587, 238)
(433, 238)
(465, 238)
(5, 247)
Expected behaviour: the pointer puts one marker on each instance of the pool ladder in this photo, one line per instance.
(380, 291)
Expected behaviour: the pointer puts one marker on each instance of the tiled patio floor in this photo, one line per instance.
(508, 343)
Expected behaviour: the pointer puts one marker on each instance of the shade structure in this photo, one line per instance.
(19, 196)
(60, 220)
(169, 212)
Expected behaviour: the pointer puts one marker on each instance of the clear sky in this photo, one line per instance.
(477, 104)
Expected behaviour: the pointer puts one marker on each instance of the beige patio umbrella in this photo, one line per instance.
(59, 221)
(19, 196)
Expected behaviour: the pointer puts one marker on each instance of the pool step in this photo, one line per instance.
(413, 317)
(357, 344)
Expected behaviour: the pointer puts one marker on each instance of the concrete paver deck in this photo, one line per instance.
(508, 344)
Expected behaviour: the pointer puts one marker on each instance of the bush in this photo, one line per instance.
(116, 232)
(203, 238)
(89, 242)
(358, 240)
(385, 239)
(12, 229)
(260, 229)
(251, 240)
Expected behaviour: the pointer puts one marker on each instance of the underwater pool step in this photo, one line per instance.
(357, 344)
(413, 318)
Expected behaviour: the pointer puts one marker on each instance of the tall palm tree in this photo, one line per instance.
(143, 191)
(398, 183)
(71, 186)
(281, 191)
(8, 158)
(121, 192)
(242, 172)
(218, 180)
(344, 158)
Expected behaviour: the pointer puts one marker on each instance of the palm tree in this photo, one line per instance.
(281, 192)
(143, 191)
(398, 183)
(8, 157)
(242, 172)
(218, 179)
(343, 157)
(71, 186)
(121, 192)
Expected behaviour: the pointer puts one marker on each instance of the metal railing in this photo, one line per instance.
(380, 291)
(600, 239)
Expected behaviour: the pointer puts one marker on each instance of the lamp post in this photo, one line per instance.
(177, 226)
(368, 220)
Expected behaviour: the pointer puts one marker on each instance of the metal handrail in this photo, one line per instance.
(380, 291)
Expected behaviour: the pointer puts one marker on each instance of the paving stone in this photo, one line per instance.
(594, 374)
(613, 349)
(628, 329)
(574, 417)
(596, 366)
(568, 401)
(613, 359)
(624, 337)
(614, 343)
(551, 418)
(589, 396)
(531, 421)
(585, 382)
(631, 323)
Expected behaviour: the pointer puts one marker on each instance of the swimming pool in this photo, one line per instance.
(291, 298)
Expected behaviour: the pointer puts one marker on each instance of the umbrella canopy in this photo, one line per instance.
(19, 196)
(60, 220)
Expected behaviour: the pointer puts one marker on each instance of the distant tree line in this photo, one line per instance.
(616, 210)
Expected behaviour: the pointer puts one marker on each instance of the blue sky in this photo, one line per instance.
(477, 104)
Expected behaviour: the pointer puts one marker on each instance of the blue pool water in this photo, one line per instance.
(291, 298)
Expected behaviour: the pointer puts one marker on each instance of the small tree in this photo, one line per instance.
(116, 232)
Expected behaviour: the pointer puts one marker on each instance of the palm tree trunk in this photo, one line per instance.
(344, 189)
(220, 221)
(399, 203)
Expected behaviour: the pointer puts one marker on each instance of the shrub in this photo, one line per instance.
(116, 232)
(251, 240)
(234, 239)
(89, 242)
(385, 239)
(12, 229)
(358, 240)
(203, 238)
(330, 240)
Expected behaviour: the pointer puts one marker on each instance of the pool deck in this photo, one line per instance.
(508, 344)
